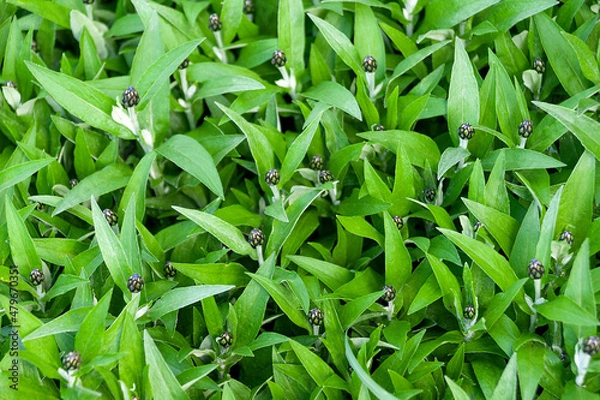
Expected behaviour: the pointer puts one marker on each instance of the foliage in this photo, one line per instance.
(294, 199)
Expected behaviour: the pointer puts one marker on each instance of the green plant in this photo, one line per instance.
(299, 199)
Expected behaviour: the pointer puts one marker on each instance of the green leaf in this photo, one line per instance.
(340, 44)
(507, 13)
(112, 251)
(501, 226)
(231, 15)
(543, 249)
(136, 187)
(318, 369)
(413, 60)
(290, 33)
(181, 297)
(583, 127)
(450, 157)
(368, 38)
(158, 73)
(333, 276)
(160, 377)
(398, 263)
(108, 179)
(420, 148)
(12, 175)
(91, 333)
(561, 55)
(216, 273)
(233, 84)
(70, 321)
(463, 94)
(563, 309)
(587, 61)
(531, 358)
(458, 392)
(80, 99)
(579, 286)
(441, 14)
(507, 385)
(359, 227)
(22, 248)
(297, 151)
(520, 159)
(228, 234)
(335, 95)
(193, 158)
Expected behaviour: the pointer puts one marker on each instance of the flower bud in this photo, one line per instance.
(111, 217)
(272, 177)
(130, 97)
(469, 312)
(526, 128)
(11, 84)
(34, 46)
(591, 345)
(316, 162)
(184, 64)
(398, 221)
(36, 277)
(315, 316)
(389, 293)
(248, 7)
(379, 127)
(325, 176)
(71, 361)
(225, 340)
(566, 236)
(477, 226)
(466, 131)
(214, 23)
(279, 59)
(430, 195)
(170, 270)
(256, 237)
(73, 182)
(369, 64)
(536, 269)
(539, 66)
(135, 283)
(88, 1)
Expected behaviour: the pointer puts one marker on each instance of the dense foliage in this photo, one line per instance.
(299, 199)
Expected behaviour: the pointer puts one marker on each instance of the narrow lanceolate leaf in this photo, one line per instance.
(441, 14)
(492, 263)
(91, 333)
(586, 129)
(17, 173)
(163, 382)
(158, 73)
(335, 95)
(463, 96)
(22, 247)
(136, 187)
(182, 297)
(398, 264)
(233, 84)
(339, 43)
(108, 179)
(563, 309)
(501, 226)
(80, 99)
(333, 276)
(112, 251)
(297, 151)
(290, 32)
(318, 369)
(561, 55)
(193, 158)
(228, 234)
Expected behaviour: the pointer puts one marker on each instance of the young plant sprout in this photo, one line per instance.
(389, 295)
(288, 80)
(369, 65)
(256, 238)
(327, 176)
(215, 25)
(272, 179)
(584, 351)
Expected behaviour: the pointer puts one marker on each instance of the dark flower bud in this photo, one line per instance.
(466, 131)
(248, 7)
(34, 46)
(469, 312)
(316, 162)
(430, 195)
(315, 316)
(539, 66)
(398, 221)
(214, 23)
(73, 182)
(566, 236)
(325, 176)
(526, 128)
(272, 177)
(225, 340)
(536, 269)
(279, 59)
(111, 217)
(591, 345)
(369, 64)
(477, 226)
(184, 64)
(130, 97)
(256, 237)
(379, 127)
(135, 283)
(170, 270)
(36, 277)
(71, 361)
(389, 293)
(88, 1)
(39, 206)
(11, 84)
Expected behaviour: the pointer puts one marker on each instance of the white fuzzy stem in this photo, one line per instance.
(522, 143)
